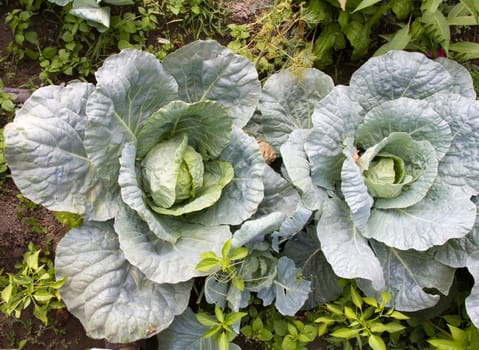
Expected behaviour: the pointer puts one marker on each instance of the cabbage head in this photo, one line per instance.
(390, 164)
(154, 158)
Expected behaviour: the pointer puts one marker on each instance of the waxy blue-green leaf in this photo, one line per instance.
(408, 273)
(133, 195)
(335, 118)
(167, 262)
(241, 197)
(415, 117)
(186, 333)
(298, 169)
(305, 250)
(130, 87)
(344, 247)
(112, 298)
(446, 212)
(398, 74)
(462, 79)
(257, 229)
(45, 150)
(472, 301)
(92, 12)
(354, 188)
(205, 70)
(289, 289)
(287, 102)
(207, 125)
(461, 163)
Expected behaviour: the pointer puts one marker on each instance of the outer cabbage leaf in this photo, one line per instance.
(462, 79)
(112, 298)
(398, 74)
(167, 262)
(92, 12)
(446, 212)
(343, 246)
(45, 151)
(407, 273)
(335, 118)
(287, 102)
(186, 333)
(252, 230)
(289, 291)
(207, 124)
(241, 197)
(417, 118)
(298, 169)
(461, 163)
(130, 87)
(205, 70)
(354, 189)
(472, 301)
(305, 250)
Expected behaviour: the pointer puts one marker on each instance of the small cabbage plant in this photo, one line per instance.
(153, 156)
(390, 164)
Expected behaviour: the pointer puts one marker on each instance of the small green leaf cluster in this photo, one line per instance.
(3, 162)
(68, 220)
(227, 263)
(357, 317)
(197, 18)
(461, 334)
(24, 212)
(220, 327)
(276, 331)
(34, 283)
(7, 104)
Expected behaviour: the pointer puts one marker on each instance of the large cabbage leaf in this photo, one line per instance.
(45, 147)
(205, 70)
(112, 298)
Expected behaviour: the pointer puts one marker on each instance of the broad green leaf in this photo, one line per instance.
(207, 125)
(241, 197)
(287, 102)
(7, 293)
(458, 334)
(415, 117)
(206, 320)
(409, 75)
(437, 27)
(167, 262)
(399, 41)
(304, 249)
(112, 298)
(353, 187)
(365, 4)
(376, 342)
(187, 333)
(466, 50)
(345, 333)
(297, 167)
(424, 224)
(335, 118)
(343, 246)
(445, 344)
(130, 87)
(205, 70)
(206, 265)
(45, 150)
(409, 273)
(358, 35)
(390, 327)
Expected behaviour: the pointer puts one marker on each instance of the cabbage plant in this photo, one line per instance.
(390, 164)
(154, 158)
